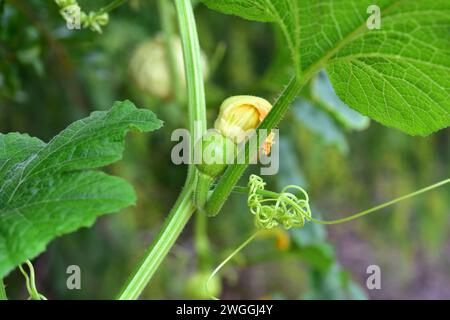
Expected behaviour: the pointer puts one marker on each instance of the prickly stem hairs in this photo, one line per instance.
(272, 209)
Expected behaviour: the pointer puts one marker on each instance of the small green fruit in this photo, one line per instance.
(215, 152)
(196, 287)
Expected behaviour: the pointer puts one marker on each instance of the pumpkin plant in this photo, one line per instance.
(396, 73)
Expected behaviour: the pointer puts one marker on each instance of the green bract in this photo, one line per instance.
(49, 189)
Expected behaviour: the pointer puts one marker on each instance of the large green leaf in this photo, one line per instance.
(321, 124)
(397, 75)
(323, 94)
(46, 189)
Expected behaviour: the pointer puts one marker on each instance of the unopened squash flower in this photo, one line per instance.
(149, 66)
(239, 115)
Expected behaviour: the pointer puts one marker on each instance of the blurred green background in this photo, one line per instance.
(51, 76)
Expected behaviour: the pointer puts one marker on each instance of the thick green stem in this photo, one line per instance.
(174, 224)
(165, 13)
(3, 295)
(184, 206)
(201, 192)
(196, 106)
(194, 75)
(234, 172)
(192, 66)
(201, 241)
(224, 262)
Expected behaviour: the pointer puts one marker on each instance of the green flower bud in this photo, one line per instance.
(215, 150)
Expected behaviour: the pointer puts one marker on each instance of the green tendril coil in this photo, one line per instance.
(273, 209)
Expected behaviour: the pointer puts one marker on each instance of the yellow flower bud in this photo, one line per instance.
(240, 114)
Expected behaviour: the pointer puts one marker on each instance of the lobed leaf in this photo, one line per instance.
(323, 94)
(47, 189)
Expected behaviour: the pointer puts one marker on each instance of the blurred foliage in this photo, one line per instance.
(51, 76)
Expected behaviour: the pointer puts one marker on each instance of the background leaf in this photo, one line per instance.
(320, 123)
(323, 94)
(43, 193)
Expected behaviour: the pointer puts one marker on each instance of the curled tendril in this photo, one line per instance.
(30, 281)
(273, 209)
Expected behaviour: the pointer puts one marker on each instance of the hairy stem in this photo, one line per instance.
(184, 207)
(174, 224)
(201, 192)
(194, 75)
(192, 66)
(201, 241)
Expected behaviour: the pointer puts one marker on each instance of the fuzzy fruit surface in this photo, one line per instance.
(217, 152)
(196, 286)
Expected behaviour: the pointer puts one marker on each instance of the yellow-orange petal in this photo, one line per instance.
(240, 114)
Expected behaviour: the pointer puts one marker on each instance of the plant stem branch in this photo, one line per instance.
(165, 12)
(184, 207)
(3, 295)
(202, 190)
(224, 262)
(201, 241)
(192, 67)
(174, 224)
